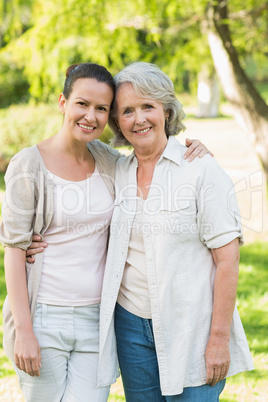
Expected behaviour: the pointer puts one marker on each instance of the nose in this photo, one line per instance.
(90, 114)
(140, 117)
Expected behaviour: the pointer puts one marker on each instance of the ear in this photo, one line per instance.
(167, 114)
(62, 103)
(117, 123)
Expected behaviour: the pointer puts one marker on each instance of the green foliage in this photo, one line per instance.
(42, 38)
(15, 18)
(23, 126)
(116, 398)
(5, 365)
(14, 84)
(2, 182)
(253, 295)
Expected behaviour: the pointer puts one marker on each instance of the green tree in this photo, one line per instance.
(15, 19)
(178, 36)
(250, 107)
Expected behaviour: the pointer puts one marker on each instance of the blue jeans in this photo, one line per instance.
(139, 367)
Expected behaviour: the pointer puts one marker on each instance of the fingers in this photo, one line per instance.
(216, 374)
(36, 237)
(30, 366)
(195, 149)
(188, 142)
(36, 367)
(36, 248)
(31, 260)
(210, 375)
(224, 371)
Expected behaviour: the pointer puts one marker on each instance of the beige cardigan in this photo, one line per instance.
(28, 209)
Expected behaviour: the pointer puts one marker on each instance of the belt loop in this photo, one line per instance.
(44, 315)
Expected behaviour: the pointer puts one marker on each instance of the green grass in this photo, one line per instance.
(2, 182)
(252, 301)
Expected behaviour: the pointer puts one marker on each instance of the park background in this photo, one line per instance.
(216, 53)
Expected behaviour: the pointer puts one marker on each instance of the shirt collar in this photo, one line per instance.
(173, 151)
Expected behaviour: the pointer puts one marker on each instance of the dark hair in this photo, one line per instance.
(86, 70)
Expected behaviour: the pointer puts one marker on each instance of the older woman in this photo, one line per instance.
(172, 267)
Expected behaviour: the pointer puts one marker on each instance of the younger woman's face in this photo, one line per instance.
(87, 109)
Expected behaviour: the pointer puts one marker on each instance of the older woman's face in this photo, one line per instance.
(141, 120)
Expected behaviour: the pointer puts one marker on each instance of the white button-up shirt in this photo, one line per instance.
(191, 208)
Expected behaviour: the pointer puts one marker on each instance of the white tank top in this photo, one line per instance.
(74, 261)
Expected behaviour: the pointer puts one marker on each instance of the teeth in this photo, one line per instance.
(143, 131)
(86, 127)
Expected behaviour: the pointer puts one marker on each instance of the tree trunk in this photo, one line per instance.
(208, 94)
(250, 108)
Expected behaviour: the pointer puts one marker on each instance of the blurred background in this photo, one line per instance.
(216, 53)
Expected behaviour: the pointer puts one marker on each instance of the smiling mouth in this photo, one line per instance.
(143, 131)
(84, 127)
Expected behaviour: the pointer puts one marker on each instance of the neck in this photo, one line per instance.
(70, 147)
(151, 154)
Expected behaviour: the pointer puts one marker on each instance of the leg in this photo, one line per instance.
(50, 386)
(204, 393)
(137, 357)
(83, 362)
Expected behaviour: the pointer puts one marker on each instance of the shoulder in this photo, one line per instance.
(210, 173)
(103, 150)
(125, 162)
(25, 161)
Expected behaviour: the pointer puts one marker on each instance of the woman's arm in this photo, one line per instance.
(27, 355)
(217, 353)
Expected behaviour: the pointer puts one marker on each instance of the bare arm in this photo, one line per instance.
(27, 355)
(217, 353)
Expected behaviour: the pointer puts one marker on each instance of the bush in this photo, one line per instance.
(25, 125)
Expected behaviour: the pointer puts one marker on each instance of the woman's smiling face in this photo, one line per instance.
(141, 120)
(87, 108)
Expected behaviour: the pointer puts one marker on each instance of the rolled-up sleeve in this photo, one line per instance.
(18, 208)
(218, 212)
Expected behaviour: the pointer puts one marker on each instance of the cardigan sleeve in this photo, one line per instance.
(18, 210)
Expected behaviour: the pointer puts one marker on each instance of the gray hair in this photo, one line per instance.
(149, 81)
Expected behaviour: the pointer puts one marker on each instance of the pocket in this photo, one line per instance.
(37, 319)
(182, 208)
(179, 219)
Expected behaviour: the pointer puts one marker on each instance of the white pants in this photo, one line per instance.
(69, 342)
